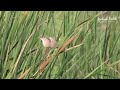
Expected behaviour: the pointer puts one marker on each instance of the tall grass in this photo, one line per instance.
(87, 48)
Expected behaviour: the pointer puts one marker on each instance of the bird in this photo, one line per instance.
(45, 42)
(48, 42)
(52, 42)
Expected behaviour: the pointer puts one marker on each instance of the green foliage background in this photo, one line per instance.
(94, 54)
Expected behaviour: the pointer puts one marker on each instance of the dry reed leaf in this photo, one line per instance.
(22, 50)
(25, 13)
(65, 45)
(24, 74)
(45, 62)
(118, 67)
(73, 47)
